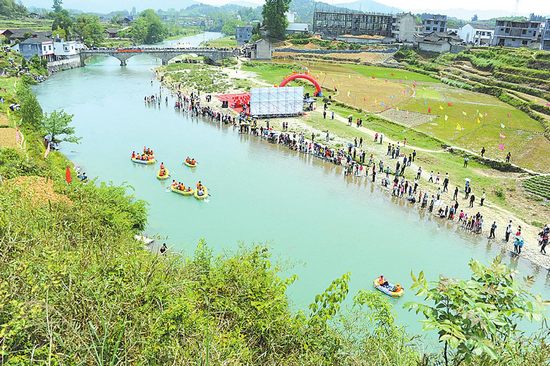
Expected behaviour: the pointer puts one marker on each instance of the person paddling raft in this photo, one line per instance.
(162, 171)
(382, 281)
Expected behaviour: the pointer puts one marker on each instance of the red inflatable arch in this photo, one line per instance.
(308, 77)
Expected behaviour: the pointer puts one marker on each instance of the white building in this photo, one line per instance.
(290, 16)
(479, 36)
(64, 48)
(404, 27)
(297, 28)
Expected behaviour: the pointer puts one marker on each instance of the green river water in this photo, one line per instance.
(318, 224)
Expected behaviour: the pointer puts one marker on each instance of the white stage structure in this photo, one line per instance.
(276, 102)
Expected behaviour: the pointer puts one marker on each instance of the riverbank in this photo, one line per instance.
(300, 128)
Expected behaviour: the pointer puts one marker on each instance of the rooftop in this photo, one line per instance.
(36, 39)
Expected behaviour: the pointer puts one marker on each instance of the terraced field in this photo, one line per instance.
(539, 185)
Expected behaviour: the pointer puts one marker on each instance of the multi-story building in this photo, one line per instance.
(433, 23)
(476, 35)
(65, 49)
(404, 27)
(37, 45)
(545, 36)
(243, 34)
(512, 33)
(333, 24)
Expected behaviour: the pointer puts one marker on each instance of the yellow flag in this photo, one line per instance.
(349, 76)
(478, 121)
(397, 109)
(464, 113)
(480, 115)
(458, 127)
(446, 117)
(440, 107)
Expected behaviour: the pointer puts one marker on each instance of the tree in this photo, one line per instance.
(31, 112)
(274, 18)
(477, 319)
(475, 18)
(59, 33)
(90, 29)
(57, 6)
(230, 26)
(56, 126)
(10, 9)
(61, 18)
(147, 28)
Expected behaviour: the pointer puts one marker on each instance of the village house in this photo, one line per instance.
(39, 45)
(476, 35)
(439, 42)
(511, 33)
(17, 35)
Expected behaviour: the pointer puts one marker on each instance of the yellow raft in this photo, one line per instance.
(387, 290)
(165, 176)
(183, 193)
(190, 165)
(205, 190)
(145, 162)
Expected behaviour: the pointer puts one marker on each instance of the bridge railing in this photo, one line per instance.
(156, 49)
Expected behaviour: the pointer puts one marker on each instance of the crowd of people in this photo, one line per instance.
(353, 160)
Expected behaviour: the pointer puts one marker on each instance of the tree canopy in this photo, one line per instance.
(90, 29)
(56, 125)
(11, 9)
(147, 28)
(61, 18)
(274, 18)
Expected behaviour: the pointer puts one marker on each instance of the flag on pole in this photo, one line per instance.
(446, 117)
(501, 147)
(47, 151)
(502, 136)
(478, 121)
(449, 104)
(480, 115)
(464, 113)
(349, 93)
(68, 177)
(501, 125)
(429, 110)
(440, 107)
(458, 127)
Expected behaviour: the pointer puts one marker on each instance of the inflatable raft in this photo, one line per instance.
(145, 162)
(190, 165)
(183, 193)
(196, 194)
(165, 176)
(387, 289)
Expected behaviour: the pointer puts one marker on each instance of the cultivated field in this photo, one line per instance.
(454, 116)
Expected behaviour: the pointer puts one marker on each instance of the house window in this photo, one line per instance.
(524, 42)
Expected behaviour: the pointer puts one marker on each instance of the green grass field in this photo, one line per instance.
(224, 42)
(476, 120)
(522, 136)
(389, 73)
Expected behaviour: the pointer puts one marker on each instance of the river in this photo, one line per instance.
(317, 224)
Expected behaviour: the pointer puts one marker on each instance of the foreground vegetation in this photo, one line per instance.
(77, 288)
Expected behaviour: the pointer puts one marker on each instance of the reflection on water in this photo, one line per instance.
(318, 223)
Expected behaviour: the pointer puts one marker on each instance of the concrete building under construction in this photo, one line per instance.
(330, 24)
(333, 24)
